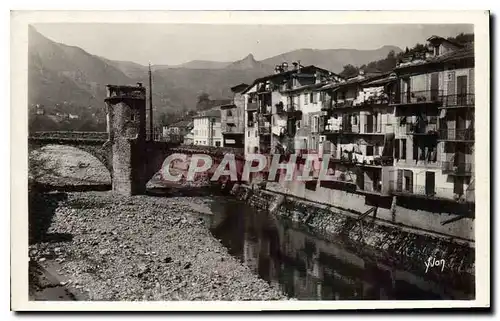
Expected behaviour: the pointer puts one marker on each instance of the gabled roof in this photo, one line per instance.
(238, 88)
(306, 69)
(437, 39)
(182, 123)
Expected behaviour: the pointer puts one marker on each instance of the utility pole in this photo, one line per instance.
(151, 132)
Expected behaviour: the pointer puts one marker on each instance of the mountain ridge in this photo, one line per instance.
(70, 78)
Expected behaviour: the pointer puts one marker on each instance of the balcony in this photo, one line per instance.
(457, 168)
(372, 129)
(264, 128)
(230, 129)
(252, 106)
(459, 101)
(265, 110)
(438, 193)
(377, 100)
(420, 128)
(457, 135)
(343, 103)
(230, 120)
(419, 97)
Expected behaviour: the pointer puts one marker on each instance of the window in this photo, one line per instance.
(396, 148)
(229, 113)
(306, 99)
(311, 98)
(403, 149)
(415, 150)
(369, 150)
(408, 180)
(248, 133)
(217, 144)
(256, 134)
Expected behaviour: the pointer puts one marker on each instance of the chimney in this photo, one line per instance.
(298, 67)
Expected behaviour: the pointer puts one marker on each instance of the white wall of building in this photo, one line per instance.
(201, 131)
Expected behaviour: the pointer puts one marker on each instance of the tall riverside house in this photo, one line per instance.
(207, 128)
(233, 119)
(358, 125)
(305, 98)
(272, 110)
(434, 102)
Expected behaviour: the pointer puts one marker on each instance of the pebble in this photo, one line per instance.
(114, 270)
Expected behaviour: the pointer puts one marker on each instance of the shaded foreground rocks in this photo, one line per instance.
(141, 248)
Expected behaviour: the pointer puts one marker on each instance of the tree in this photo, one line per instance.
(349, 71)
(204, 102)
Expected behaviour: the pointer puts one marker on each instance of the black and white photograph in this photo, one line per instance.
(296, 158)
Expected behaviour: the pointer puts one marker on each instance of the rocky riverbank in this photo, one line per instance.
(389, 245)
(107, 247)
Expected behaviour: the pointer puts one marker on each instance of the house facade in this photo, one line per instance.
(176, 132)
(358, 125)
(273, 108)
(434, 101)
(207, 128)
(233, 119)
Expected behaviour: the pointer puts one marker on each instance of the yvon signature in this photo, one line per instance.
(433, 262)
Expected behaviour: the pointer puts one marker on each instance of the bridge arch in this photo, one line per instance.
(72, 164)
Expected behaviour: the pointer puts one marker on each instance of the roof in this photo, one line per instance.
(182, 123)
(238, 88)
(464, 53)
(310, 68)
(438, 39)
(381, 81)
(351, 81)
(208, 113)
(310, 86)
(227, 106)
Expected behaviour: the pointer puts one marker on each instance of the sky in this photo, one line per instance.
(172, 44)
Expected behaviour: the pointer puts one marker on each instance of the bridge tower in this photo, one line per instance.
(126, 117)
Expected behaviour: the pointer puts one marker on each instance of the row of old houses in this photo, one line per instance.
(409, 132)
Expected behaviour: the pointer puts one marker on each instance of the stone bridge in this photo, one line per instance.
(143, 165)
(124, 149)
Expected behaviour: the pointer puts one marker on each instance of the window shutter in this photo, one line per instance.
(471, 80)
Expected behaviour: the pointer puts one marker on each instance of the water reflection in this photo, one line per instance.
(307, 267)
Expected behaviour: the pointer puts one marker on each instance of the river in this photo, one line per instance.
(307, 267)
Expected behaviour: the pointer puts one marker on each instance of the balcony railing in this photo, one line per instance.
(252, 106)
(457, 168)
(265, 110)
(264, 128)
(419, 128)
(428, 192)
(459, 100)
(343, 103)
(453, 134)
(377, 100)
(419, 97)
(230, 129)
